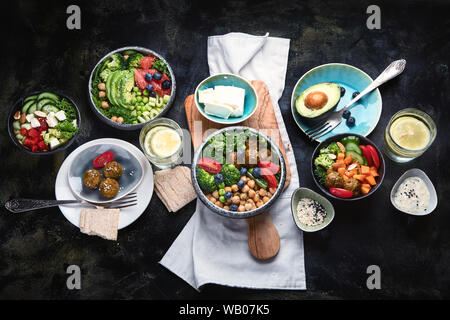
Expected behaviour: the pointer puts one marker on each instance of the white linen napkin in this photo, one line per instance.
(214, 249)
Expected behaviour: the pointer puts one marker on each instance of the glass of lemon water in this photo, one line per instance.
(408, 135)
(162, 142)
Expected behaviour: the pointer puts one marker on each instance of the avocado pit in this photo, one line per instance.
(316, 100)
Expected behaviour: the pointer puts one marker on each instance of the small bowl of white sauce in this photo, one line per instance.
(414, 193)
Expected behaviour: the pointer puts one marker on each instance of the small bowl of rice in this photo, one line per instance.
(311, 211)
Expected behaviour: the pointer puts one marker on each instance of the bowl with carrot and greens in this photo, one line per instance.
(347, 167)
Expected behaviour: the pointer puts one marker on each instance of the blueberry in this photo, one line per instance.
(241, 184)
(228, 195)
(218, 178)
(233, 207)
(355, 94)
(148, 77)
(257, 172)
(157, 75)
(346, 114)
(149, 87)
(166, 84)
(243, 171)
(152, 94)
(342, 91)
(351, 122)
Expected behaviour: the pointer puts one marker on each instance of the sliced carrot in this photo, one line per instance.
(348, 160)
(373, 172)
(341, 170)
(365, 170)
(349, 174)
(345, 177)
(338, 165)
(341, 146)
(341, 156)
(365, 190)
(371, 180)
(360, 177)
(365, 185)
(329, 171)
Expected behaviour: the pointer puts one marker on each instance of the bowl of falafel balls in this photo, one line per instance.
(104, 173)
(238, 172)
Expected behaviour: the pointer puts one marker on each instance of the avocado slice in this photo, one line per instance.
(111, 88)
(318, 100)
(126, 84)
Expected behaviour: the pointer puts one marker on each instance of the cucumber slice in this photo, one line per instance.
(27, 105)
(49, 108)
(16, 125)
(351, 146)
(48, 95)
(356, 156)
(45, 101)
(29, 98)
(32, 108)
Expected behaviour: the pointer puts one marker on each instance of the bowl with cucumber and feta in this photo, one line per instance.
(43, 123)
(131, 86)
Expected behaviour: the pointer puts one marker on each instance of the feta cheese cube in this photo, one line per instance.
(29, 117)
(232, 96)
(52, 121)
(60, 115)
(206, 95)
(35, 123)
(74, 122)
(54, 142)
(218, 109)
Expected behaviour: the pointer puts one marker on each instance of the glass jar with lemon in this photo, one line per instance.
(162, 142)
(408, 135)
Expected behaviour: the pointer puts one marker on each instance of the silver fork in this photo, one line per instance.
(22, 205)
(325, 126)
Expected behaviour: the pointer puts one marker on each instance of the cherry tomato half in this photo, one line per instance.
(269, 165)
(341, 193)
(209, 165)
(367, 155)
(374, 153)
(104, 158)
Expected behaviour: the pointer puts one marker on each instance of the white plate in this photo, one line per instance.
(127, 215)
(433, 196)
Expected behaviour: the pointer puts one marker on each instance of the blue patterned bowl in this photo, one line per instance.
(226, 79)
(366, 111)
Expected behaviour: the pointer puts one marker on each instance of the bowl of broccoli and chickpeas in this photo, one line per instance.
(238, 172)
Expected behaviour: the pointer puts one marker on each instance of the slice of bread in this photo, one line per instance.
(100, 222)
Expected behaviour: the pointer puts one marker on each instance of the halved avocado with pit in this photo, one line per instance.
(318, 100)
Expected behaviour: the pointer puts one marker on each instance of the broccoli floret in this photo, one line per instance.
(320, 174)
(134, 60)
(324, 161)
(205, 180)
(215, 148)
(231, 174)
(105, 74)
(332, 148)
(117, 62)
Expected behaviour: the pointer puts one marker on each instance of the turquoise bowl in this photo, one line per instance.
(366, 111)
(226, 79)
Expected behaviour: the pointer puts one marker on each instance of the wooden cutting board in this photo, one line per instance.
(263, 238)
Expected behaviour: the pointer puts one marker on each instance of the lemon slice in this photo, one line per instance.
(162, 141)
(410, 133)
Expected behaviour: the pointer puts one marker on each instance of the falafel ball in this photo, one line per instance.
(92, 178)
(112, 169)
(334, 180)
(109, 188)
(352, 185)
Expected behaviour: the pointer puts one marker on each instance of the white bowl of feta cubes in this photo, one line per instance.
(226, 98)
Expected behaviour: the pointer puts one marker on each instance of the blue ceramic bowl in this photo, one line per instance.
(225, 79)
(366, 111)
(132, 172)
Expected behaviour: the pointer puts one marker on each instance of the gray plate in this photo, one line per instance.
(131, 177)
(139, 125)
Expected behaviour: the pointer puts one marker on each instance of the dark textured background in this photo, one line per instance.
(38, 52)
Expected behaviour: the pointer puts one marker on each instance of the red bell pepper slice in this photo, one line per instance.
(341, 193)
(209, 165)
(269, 165)
(367, 155)
(374, 154)
(270, 178)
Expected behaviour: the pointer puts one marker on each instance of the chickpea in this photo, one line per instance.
(262, 192)
(248, 206)
(245, 189)
(125, 56)
(236, 200)
(242, 203)
(244, 178)
(228, 201)
(219, 204)
(226, 208)
(241, 209)
(119, 120)
(102, 86)
(243, 196)
(251, 184)
(260, 203)
(251, 193)
(237, 194)
(269, 195)
(215, 194)
(102, 94)
(227, 189)
(256, 198)
(254, 207)
(266, 199)
(272, 190)
(251, 201)
(105, 105)
(234, 188)
(114, 118)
